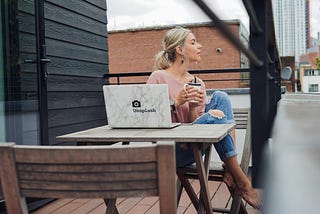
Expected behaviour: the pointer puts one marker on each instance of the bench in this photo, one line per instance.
(216, 170)
(87, 172)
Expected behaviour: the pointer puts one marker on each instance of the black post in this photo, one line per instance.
(273, 85)
(259, 89)
(42, 71)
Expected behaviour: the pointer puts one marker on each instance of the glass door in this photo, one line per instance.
(23, 91)
(2, 99)
(25, 79)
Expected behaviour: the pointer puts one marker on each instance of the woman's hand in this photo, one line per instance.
(195, 96)
(182, 98)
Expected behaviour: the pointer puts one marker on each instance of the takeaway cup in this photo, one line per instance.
(196, 85)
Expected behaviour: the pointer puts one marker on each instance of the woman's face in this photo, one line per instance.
(192, 48)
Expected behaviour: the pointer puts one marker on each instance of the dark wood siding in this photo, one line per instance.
(76, 40)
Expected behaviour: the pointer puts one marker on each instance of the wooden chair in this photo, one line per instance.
(88, 172)
(216, 171)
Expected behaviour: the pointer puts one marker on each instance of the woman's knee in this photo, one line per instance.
(221, 96)
(217, 113)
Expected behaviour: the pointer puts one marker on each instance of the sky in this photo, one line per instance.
(124, 14)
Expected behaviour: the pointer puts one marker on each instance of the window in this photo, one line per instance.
(313, 88)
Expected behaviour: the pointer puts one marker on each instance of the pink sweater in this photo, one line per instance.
(182, 114)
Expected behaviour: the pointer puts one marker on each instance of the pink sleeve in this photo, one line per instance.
(153, 78)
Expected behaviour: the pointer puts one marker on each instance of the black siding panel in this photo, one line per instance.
(60, 130)
(74, 83)
(63, 100)
(67, 17)
(76, 67)
(98, 3)
(74, 35)
(61, 117)
(76, 40)
(75, 51)
(83, 8)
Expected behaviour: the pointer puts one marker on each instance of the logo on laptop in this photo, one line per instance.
(136, 104)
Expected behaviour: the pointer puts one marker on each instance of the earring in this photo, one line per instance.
(182, 59)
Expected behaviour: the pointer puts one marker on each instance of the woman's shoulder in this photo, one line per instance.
(157, 76)
(158, 72)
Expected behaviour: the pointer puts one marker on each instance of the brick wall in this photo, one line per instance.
(134, 50)
(289, 61)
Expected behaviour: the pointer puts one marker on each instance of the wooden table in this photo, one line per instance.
(197, 135)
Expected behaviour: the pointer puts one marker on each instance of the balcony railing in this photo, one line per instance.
(115, 78)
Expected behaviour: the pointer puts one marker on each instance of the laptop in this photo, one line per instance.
(138, 106)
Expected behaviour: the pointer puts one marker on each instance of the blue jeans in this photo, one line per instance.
(225, 148)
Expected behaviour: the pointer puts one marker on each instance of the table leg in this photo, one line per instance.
(203, 168)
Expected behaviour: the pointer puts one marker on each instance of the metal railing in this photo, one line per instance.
(118, 76)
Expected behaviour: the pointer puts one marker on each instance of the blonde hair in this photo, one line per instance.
(171, 40)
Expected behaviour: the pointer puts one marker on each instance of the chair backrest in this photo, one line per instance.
(87, 172)
(243, 121)
(241, 117)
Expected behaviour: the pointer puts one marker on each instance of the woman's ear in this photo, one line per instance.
(179, 49)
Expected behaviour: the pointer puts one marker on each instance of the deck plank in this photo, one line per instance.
(220, 197)
(88, 207)
(53, 206)
(70, 207)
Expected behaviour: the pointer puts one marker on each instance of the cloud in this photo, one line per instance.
(123, 14)
(128, 7)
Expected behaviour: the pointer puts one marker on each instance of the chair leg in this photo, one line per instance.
(237, 205)
(179, 191)
(111, 206)
(188, 187)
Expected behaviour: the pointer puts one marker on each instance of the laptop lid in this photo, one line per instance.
(137, 106)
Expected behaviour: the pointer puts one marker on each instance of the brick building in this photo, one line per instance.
(309, 58)
(309, 73)
(289, 61)
(133, 50)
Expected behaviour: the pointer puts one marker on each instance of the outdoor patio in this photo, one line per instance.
(220, 197)
(265, 85)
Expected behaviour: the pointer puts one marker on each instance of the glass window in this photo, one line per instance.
(2, 112)
(313, 88)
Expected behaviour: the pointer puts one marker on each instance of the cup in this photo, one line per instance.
(195, 85)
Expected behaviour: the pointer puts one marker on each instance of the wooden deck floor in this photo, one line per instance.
(220, 197)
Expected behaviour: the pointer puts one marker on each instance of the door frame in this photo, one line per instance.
(42, 71)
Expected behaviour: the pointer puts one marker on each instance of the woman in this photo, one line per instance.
(180, 49)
